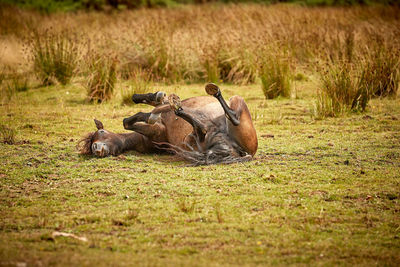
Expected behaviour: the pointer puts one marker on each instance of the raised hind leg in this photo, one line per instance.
(239, 123)
(198, 127)
(153, 99)
(232, 115)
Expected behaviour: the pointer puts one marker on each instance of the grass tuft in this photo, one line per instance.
(55, 56)
(380, 73)
(102, 77)
(7, 135)
(18, 82)
(342, 90)
(275, 78)
(11, 83)
(186, 206)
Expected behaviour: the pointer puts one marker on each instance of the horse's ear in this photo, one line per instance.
(99, 124)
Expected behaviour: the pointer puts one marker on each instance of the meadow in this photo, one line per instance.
(321, 84)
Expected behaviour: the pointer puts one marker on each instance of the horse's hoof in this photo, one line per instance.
(212, 89)
(160, 97)
(174, 102)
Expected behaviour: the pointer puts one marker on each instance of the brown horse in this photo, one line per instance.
(203, 130)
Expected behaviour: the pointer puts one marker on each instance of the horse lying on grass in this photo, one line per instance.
(203, 130)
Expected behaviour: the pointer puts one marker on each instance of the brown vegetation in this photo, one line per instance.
(233, 44)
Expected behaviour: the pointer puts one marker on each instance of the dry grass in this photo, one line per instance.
(347, 84)
(339, 92)
(211, 43)
(12, 82)
(101, 78)
(7, 135)
(55, 56)
(275, 78)
(380, 72)
(231, 44)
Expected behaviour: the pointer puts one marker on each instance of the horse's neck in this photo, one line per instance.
(134, 141)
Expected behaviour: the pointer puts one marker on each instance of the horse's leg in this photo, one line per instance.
(239, 122)
(155, 132)
(153, 99)
(149, 117)
(198, 126)
(232, 115)
(138, 117)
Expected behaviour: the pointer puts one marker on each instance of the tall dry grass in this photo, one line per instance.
(101, 78)
(224, 43)
(380, 73)
(7, 134)
(11, 82)
(352, 77)
(340, 91)
(275, 76)
(55, 56)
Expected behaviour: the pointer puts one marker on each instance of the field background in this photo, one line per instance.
(323, 188)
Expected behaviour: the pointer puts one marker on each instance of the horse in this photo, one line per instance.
(203, 130)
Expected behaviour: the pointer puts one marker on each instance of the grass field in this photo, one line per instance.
(319, 192)
(323, 188)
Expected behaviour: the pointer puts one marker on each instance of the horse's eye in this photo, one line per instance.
(101, 131)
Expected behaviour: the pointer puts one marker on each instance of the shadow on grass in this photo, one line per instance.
(78, 102)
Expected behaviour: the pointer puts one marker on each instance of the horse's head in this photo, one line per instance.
(101, 143)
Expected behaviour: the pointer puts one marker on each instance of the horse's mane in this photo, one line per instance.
(84, 145)
(218, 142)
(203, 158)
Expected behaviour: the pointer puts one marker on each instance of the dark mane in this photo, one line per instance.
(219, 156)
(224, 149)
(84, 145)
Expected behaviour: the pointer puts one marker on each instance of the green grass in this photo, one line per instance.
(322, 192)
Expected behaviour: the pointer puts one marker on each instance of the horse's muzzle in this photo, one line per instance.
(100, 149)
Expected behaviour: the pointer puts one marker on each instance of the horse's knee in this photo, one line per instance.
(154, 117)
